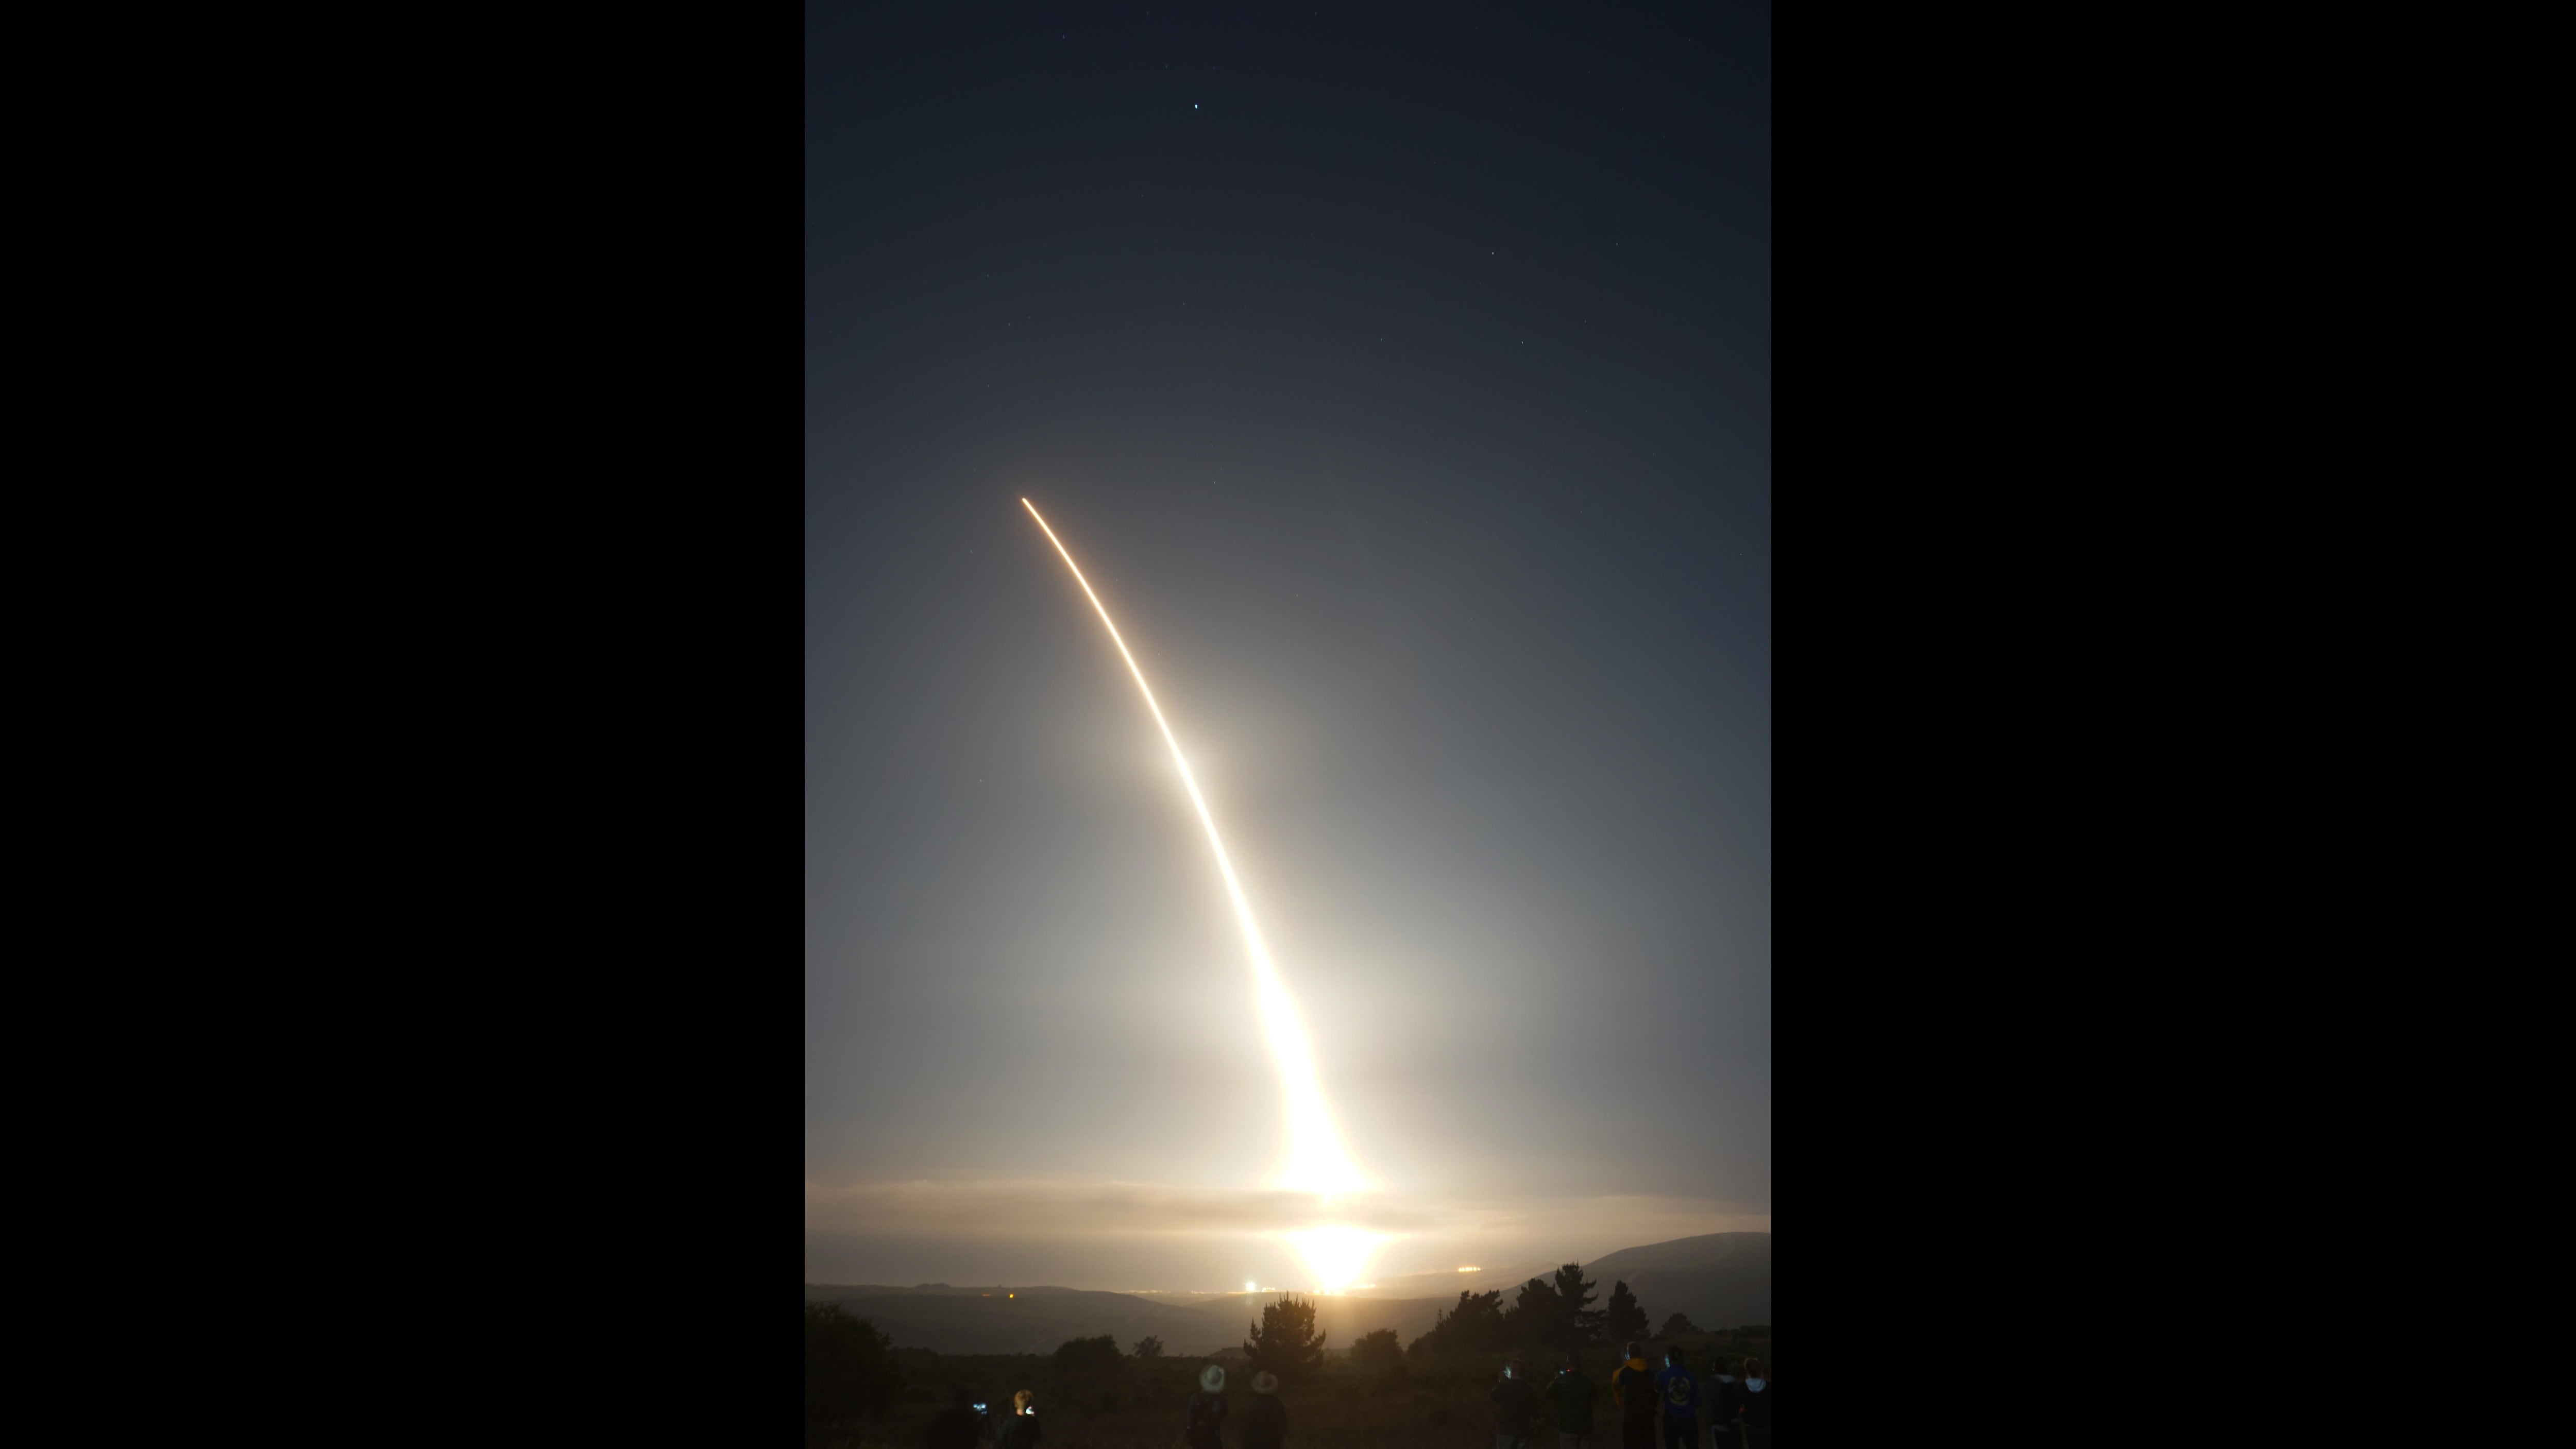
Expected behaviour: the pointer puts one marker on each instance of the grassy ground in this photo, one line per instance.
(1139, 1406)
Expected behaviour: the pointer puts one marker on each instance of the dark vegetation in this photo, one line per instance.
(1286, 1341)
(1355, 1399)
(1375, 1393)
(1546, 1317)
(851, 1373)
(1088, 1356)
(1626, 1319)
(1378, 1355)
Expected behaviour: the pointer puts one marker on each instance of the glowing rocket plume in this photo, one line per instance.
(1316, 1162)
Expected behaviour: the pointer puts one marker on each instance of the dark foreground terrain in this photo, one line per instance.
(1138, 1404)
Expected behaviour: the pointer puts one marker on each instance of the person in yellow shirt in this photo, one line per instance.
(1632, 1388)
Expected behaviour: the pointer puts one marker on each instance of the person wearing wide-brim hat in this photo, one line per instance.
(1265, 1419)
(1207, 1410)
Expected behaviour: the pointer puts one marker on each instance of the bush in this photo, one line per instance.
(1149, 1347)
(1377, 1354)
(1088, 1356)
(1676, 1326)
(850, 1372)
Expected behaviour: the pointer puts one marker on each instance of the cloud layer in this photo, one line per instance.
(1193, 1225)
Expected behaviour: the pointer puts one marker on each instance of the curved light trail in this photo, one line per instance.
(1316, 1162)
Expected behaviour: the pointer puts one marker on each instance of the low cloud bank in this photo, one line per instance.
(1420, 1235)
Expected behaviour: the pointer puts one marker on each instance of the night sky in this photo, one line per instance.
(1403, 385)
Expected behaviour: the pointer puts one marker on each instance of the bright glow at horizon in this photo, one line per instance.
(1316, 1162)
(1337, 1257)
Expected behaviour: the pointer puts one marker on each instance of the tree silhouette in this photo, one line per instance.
(1676, 1326)
(1473, 1325)
(1149, 1347)
(1286, 1341)
(1535, 1316)
(1623, 1319)
(1583, 1321)
(850, 1371)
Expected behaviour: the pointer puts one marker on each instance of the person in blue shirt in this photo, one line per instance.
(1680, 1393)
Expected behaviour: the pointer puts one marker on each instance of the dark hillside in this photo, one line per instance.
(1720, 1280)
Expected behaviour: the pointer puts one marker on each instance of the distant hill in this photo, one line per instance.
(1720, 1280)
(1448, 1285)
(991, 1320)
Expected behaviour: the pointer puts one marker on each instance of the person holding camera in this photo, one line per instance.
(1515, 1397)
(1570, 1395)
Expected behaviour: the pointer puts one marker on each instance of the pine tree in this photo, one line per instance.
(1286, 1341)
(1535, 1319)
(1574, 1300)
(1623, 1320)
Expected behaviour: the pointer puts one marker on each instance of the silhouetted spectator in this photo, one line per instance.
(1023, 1430)
(1678, 1388)
(1757, 1406)
(1206, 1419)
(1632, 1388)
(1724, 1395)
(1515, 1398)
(1265, 1419)
(958, 1426)
(1570, 1395)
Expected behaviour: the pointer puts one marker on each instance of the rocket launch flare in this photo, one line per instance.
(1316, 1162)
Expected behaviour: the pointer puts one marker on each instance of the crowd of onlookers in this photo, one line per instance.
(1656, 1409)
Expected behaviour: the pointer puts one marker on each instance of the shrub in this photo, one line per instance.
(1149, 1347)
(1088, 1356)
(1377, 1353)
(1676, 1326)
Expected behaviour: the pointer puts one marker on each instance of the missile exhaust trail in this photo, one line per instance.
(1316, 1161)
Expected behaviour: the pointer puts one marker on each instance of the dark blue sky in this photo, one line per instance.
(1404, 387)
